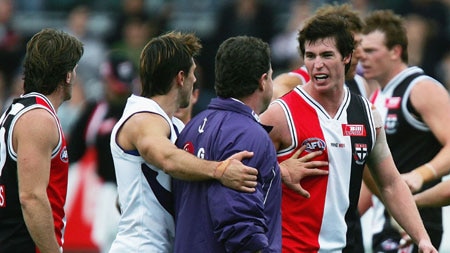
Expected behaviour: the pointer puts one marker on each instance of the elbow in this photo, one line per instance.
(26, 199)
(168, 166)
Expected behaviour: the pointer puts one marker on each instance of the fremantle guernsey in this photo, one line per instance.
(321, 223)
(145, 195)
(14, 236)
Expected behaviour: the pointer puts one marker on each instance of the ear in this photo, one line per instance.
(180, 78)
(396, 51)
(347, 59)
(68, 77)
(262, 82)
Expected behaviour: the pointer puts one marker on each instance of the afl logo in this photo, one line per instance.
(189, 147)
(314, 144)
(64, 156)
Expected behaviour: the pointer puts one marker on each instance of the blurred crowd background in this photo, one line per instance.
(128, 24)
(103, 25)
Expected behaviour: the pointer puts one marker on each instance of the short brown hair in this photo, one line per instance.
(50, 55)
(392, 26)
(163, 57)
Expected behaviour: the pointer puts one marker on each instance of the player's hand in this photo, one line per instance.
(236, 175)
(406, 240)
(414, 181)
(425, 246)
(294, 169)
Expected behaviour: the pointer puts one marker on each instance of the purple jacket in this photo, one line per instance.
(213, 218)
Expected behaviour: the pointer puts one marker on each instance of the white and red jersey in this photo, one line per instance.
(323, 223)
(14, 236)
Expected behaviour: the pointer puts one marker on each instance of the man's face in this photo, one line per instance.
(268, 82)
(324, 63)
(375, 57)
(357, 37)
(186, 91)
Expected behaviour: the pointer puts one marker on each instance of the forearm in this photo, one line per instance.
(185, 166)
(438, 167)
(177, 162)
(400, 203)
(39, 221)
(436, 196)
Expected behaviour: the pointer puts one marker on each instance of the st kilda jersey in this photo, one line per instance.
(410, 140)
(14, 236)
(323, 223)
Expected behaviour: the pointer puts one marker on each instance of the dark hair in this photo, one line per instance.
(328, 26)
(354, 22)
(163, 57)
(392, 26)
(240, 62)
(50, 55)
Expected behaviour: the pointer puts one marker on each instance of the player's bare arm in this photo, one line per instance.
(37, 133)
(438, 195)
(434, 113)
(396, 194)
(148, 133)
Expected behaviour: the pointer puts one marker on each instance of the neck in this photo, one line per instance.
(168, 102)
(55, 99)
(330, 99)
(254, 102)
(395, 70)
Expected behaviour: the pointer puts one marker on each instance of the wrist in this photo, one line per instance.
(283, 169)
(221, 168)
(427, 172)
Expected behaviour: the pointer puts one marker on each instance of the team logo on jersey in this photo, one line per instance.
(360, 153)
(314, 144)
(201, 128)
(393, 102)
(391, 124)
(353, 130)
(64, 156)
(2, 196)
(189, 147)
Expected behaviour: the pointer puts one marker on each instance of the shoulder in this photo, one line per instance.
(275, 115)
(427, 88)
(38, 117)
(146, 121)
(37, 124)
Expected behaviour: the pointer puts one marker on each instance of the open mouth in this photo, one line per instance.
(321, 77)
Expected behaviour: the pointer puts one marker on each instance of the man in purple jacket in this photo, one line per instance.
(209, 216)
